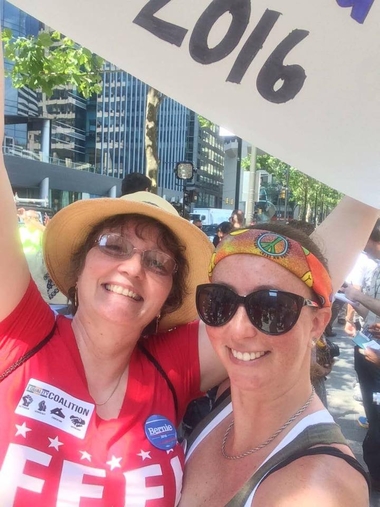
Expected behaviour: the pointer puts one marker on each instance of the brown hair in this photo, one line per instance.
(166, 241)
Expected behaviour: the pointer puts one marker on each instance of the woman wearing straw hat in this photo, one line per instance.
(94, 404)
(268, 302)
(89, 406)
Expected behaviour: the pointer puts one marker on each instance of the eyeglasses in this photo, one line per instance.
(273, 312)
(118, 246)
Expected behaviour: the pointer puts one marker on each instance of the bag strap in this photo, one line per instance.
(28, 355)
(317, 434)
(162, 372)
(324, 449)
(222, 397)
(221, 402)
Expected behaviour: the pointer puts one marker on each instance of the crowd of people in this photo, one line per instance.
(91, 402)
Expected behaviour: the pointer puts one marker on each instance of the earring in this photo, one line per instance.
(157, 322)
(76, 296)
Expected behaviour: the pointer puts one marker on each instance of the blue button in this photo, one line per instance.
(161, 432)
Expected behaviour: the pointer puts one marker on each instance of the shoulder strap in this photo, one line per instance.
(28, 355)
(317, 434)
(324, 449)
(220, 404)
(222, 397)
(162, 372)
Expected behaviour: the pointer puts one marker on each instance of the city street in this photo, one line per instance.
(343, 407)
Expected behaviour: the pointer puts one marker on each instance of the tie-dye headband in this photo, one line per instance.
(284, 251)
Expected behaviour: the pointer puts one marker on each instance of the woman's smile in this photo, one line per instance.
(118, 289)
(247, 356)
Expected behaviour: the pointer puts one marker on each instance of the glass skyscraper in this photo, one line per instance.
(105, 135)
(116, 129)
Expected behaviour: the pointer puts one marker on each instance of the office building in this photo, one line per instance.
(65, 147)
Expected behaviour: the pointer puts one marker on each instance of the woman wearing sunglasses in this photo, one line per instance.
(89, 405)
(272, 443)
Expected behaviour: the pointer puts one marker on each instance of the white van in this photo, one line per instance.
(211, 216)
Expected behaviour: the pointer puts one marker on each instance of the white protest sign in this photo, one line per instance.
(298, 79)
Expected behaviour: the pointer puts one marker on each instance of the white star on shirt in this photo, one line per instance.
(114, 463)
(54, 442)
(85, 455)
(145, 455)
(22, 429)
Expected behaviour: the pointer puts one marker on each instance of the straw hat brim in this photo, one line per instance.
(68, 230)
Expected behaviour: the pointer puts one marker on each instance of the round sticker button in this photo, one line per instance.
(160, 432)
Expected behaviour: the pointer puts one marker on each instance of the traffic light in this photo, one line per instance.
(193, 196)
(187, 197)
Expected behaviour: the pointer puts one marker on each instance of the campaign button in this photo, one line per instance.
(160, 432)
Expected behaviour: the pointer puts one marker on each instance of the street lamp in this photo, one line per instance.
(229, 136)
(286, 195)
(185, 172)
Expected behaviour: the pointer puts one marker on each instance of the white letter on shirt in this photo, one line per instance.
(71, 487)
(12, 476)
(136, 491)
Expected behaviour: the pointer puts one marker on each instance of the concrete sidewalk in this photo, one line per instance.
(340, 389)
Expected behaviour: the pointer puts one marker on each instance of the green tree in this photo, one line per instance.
(50, 60)
(204, 123)
(315, 199)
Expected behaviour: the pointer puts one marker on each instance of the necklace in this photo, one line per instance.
(113, 392)
(270, 439)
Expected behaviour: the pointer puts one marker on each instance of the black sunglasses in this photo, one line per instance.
(273, 312)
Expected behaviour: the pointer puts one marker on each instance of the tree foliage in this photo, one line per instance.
(204, 123)
(50, 60)
(315, 199)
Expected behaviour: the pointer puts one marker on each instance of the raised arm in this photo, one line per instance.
(14, 274)
(343, 234)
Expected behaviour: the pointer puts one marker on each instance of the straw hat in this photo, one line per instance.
(68, 230)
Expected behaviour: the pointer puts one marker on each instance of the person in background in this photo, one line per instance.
(135, 182)
(222, 229)
(268, 302)
(360, 278)
(31, 231)
(361, 274)
(367, 366)
(198, 223)
(237, 219)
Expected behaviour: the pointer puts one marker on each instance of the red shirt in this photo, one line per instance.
(55, 450)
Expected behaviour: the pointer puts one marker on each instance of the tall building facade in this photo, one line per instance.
(21, 104)
(96, 142)
(116, 136)
(38, 149)
(210, 164)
